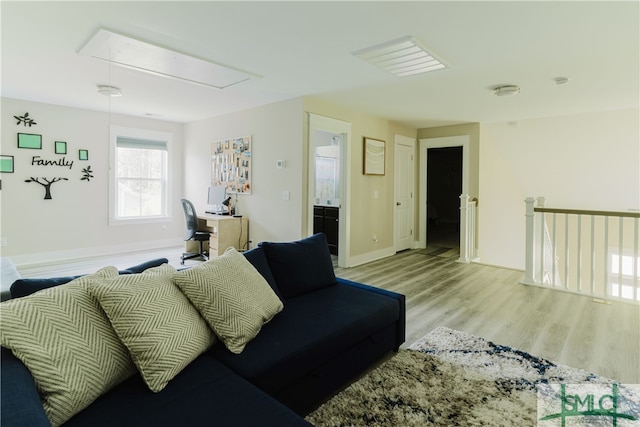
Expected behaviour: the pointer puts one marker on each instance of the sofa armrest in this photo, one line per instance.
(401, 331)
(19, 399)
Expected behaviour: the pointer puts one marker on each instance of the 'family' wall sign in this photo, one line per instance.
(33, 141)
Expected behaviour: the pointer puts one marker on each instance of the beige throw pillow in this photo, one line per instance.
(155, 321)
(232, 296)
(66, 341)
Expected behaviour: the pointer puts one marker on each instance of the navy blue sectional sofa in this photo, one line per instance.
(330, 331)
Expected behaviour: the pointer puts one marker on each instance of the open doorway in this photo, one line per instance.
(326, 206)
(441, 214)
(444, 186)
(329, 183)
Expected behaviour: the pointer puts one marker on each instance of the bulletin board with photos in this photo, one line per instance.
(231, 164)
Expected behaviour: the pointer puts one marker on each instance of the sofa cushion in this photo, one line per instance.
(312, 329)
(232, 296)
(258, 259)
(301, 266)
(161, 329)
(139, 268)
(204, 394)
(21, 405)
(24, 287)
(65, 340)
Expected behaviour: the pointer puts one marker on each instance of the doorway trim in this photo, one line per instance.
(328, 124)
(443, 142)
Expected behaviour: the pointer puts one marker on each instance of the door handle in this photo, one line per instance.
(398, 203)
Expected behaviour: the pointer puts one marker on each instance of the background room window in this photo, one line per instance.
(624, 276)
(140, 175)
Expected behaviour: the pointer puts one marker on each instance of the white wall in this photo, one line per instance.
(74, 223)
(589, 161)
(277, 134)
(586, 161)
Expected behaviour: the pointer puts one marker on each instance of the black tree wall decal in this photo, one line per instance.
(87, 174)
(25, 120)
(46, 184)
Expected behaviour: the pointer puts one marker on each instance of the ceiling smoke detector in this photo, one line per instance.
(107, 90)
(506, 90)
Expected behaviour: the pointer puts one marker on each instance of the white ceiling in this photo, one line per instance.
(304, 48)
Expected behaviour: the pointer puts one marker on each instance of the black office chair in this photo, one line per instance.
(192, 232)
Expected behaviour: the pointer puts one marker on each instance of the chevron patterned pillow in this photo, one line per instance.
(155, 321)
(232, 296)
(64, 338)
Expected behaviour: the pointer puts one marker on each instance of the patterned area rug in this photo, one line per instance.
(449, 378)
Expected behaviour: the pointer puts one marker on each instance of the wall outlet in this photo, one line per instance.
(375, 239)
(3, 241)
(285, 195)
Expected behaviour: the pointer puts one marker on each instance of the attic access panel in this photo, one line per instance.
(142, 56)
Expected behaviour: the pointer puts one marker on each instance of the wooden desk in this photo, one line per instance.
(226, 231)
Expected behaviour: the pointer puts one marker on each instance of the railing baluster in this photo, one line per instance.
(540, 204)
(620, 241)
(607, 289)
(593, 255)
(542, 242)
(636, 259)
(579, 254)
(553, 252)
(566, 251)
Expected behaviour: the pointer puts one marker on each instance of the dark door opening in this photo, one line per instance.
(444, 186)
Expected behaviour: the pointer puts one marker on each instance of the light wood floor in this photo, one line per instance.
(489, 302)
(477, 299)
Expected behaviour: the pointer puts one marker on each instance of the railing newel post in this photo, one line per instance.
(528, 253)
(464, 225)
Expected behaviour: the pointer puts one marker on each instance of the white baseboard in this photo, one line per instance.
(43, 258)
(370, 256)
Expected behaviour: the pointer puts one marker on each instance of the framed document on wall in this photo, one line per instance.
(373, 156)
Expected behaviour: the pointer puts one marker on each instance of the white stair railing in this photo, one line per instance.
(593, 253)
(468, 245)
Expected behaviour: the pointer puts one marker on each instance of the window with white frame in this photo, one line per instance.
(140, 175)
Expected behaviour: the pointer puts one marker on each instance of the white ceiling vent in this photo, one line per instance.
(401, 57)
(138, 55)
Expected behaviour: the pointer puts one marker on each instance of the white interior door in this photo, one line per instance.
(403, 192)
